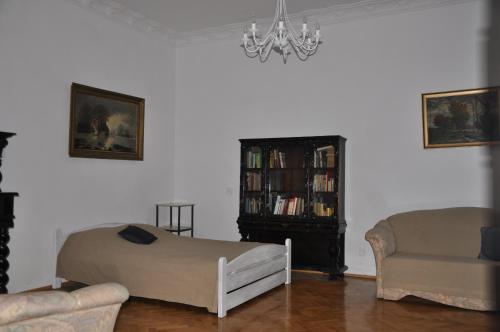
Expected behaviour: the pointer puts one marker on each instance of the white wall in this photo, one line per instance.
(365, 84)
(44, 46)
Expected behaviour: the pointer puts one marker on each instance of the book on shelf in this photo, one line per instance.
(323, 183)
(321, 209)
(254, 159)
(293, 206)
(252, 205)
(277, 159)
(324, 157)
(254, 181)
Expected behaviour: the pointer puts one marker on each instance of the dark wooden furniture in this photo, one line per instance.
(6, 221)
(176, 228)
(294, 188)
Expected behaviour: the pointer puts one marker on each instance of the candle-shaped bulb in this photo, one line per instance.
(253, 29)
(280, 25)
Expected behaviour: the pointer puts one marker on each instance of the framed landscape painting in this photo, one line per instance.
(461, 118)
(105, 124)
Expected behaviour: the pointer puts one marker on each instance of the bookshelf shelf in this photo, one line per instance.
(286, 169)
(294, 188)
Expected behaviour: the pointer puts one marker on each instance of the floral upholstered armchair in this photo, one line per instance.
(92, 308)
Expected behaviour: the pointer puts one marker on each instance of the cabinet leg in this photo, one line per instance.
(335, 257)
(244, 236)
(336, 276)
(4, 263)
(336, 253)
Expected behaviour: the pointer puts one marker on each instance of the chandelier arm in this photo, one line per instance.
(263, 42)
(295, 36)
(252, 55)
(306, 51)
(252, 48)
(300, 41)
(300, 54)
(297, 42)
(263, 56)
(306, 46)
(271, 36)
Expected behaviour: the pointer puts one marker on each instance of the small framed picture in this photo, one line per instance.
(461, 118)
(105, 124)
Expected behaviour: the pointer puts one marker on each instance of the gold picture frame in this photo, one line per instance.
(461, 118)
(105, 124)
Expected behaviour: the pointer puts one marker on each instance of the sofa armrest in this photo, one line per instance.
(100, 295)
(383, 243)
(18, 307)
(23, 306)
(382, 240)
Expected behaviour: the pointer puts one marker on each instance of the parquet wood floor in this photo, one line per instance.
(310, 303)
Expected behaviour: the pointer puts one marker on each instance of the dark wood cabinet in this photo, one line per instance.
(294, 188)
(6, 221)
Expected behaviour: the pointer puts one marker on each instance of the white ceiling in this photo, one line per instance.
(190, 15)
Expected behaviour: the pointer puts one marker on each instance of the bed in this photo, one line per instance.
(218, 275)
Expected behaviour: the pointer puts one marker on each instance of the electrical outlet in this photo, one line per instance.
(229, 191)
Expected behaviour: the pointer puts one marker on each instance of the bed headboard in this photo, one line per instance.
(60, 237)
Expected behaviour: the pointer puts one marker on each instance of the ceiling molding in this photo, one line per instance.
(326, 16)
(119, 13)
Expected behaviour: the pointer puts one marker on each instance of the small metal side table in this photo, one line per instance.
(176, 228)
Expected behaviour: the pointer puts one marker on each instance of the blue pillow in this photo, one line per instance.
(137, 235)
(490, 243)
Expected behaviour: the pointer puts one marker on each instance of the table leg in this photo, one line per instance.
(156, 215)
(170, 217)
(192, 220)
(179, 221)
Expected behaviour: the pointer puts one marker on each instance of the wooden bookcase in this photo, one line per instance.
(294, 188)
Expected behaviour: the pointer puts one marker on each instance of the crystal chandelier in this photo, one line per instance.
(282, 37)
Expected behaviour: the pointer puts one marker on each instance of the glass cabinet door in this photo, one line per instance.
(323, 181)
(287, 181)
(253, 181)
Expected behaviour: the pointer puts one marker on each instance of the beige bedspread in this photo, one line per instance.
(173, 268)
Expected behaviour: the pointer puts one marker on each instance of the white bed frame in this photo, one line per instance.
(245, 277)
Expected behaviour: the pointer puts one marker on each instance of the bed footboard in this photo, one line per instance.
(251, 274)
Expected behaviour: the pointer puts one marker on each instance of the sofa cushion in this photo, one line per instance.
(490, 243)
(452, 276)
(448, 232)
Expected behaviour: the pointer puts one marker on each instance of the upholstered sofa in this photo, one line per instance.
(433, 254)
(93, 308)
